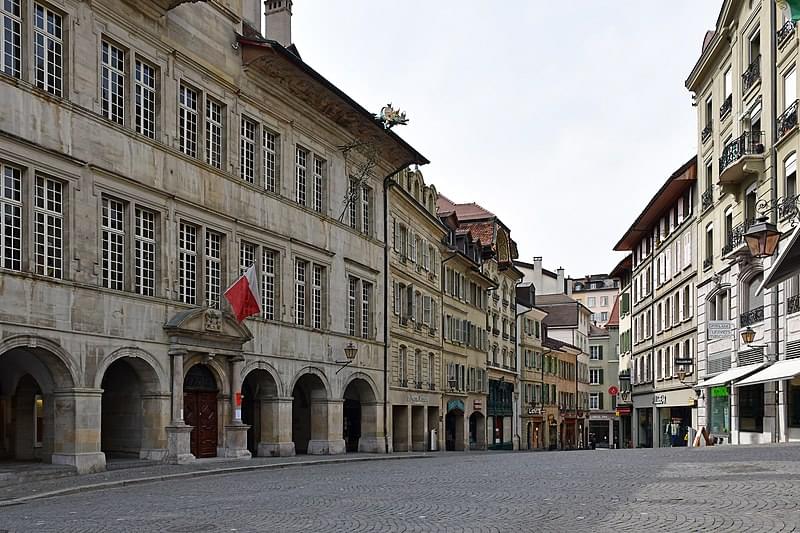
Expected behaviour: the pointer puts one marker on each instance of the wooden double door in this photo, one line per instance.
(200, 412)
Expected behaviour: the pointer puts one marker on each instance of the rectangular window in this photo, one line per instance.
(11, 43)
(300, 175)
(751, 408)
(247, 255)
(319, 181)
(113, 244)
(316, 296)
(213, 283)
(187, 123)
(145, 99)
(187, 263)
(269, 277)
(352, 206)
(352, 305)
(300, 292)
(145, 252)
(215, 132)
(48, 44)
(594, 400)
(366, 299)
(365, 210)
(271, 160)
(11, 218)
(113, 79)
(247, 150)
(49, 227)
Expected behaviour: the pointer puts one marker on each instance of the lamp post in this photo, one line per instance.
(350, 352)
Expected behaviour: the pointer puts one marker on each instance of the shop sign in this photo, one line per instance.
(659, 399)
(534, 410)
(719, 392)
(623, 411)
(719, 329)
(416, 398)
(455, 404)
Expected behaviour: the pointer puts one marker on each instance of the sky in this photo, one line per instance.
(562, 118)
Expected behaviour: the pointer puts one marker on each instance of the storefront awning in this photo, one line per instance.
(786, 369)
(786, 265)
(728, 376)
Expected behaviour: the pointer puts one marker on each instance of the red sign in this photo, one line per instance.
(624, 410)
(238, 399)
(613, 390)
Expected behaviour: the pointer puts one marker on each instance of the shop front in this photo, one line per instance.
(500, 414)
(625, 438)
(674, 409)
(718, 412)
(643, 420)
(533, 424)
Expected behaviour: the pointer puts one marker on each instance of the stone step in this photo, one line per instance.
(32, 473)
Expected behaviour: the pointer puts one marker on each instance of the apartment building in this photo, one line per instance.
(621, 319)
(664, 269)
(149, 159)
(531, 378)
(597, 292)
(604, 382)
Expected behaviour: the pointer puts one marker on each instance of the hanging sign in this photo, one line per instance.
(719, 329)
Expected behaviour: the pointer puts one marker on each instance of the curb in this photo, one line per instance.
(198, 473)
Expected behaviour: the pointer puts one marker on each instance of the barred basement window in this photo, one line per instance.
(11, 42)
(300, 292)
(187, 122)
(316, 297)
(145, 252)
(268, 279)
(11, 218)
(271, 159)
(213, 285)
(352, 306)
(48, 45)
(146, 94)
(300, 175)
(113, 244)
(215, 132)
(113, 78)
(187, 263)
(247, 150)
(48, 227)
(366, 322)
(319, 180)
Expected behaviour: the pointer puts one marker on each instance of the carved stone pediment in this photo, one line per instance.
(158, 7)
(207, 327)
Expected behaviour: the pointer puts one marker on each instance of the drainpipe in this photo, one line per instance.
(774, 187)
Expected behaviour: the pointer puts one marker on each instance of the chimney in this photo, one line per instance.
(560, 280)
(251, 13)
(537, 269)
(570, 283)
(278, 21)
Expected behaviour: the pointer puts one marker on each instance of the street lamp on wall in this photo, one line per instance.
(748, 335)
(350, 352)
(762, 238)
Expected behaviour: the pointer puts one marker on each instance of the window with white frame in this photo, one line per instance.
(309, 294)
(352, 305)
(594, 400)
(48, 49)
(144, 237)
(213, 273)
(366, 214)
(247, 150)
(247, 255)
(49, 227)
(300, 271)
(187, 263)
(318, 192)
(113, 239)
(300, 169)
(113, 82)
(146, 95)
(359, 307)
(11, 38)
(271, 151)
(215, 132)
(317, 274)
(269, 283)
(11, 218)
(596, 353)
(595, 376)
(188, 122)
(431, 371)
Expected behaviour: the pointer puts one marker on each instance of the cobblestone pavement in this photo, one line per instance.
(708, 489)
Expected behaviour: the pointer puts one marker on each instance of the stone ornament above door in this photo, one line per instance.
(208, 328)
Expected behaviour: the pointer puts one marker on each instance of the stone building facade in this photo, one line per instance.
(155, 152)
(597, 292)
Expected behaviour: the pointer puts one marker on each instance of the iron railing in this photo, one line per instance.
(752, 74)
(726, 107)
(784, 34)
(749, 143)
(787, 120)
(706, 133)
(787, 207)
(752, 316)
(735, 237)
(793, 304)
(707, 199)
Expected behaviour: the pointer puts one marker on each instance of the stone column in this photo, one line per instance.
(611, 433)
(235, 440)
(76, 433)
(326, 427)
(276, 428)
(179, 449)
(371, 440)
(155, 418)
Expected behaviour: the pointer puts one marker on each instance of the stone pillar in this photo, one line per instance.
(611, 433)
(179, 449)
(371, 440)
(235, 441)
(76, 432)
(155, 417)
(276, 428)
(326, 427)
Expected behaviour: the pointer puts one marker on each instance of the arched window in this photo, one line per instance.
(718, 306)
(753, 305)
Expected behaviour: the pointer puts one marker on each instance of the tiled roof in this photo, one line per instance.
(613, 320)
(555, 299)
(555, 344)
(595, 331)
(483, 231)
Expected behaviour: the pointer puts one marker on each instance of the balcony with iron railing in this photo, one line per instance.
(706, 133)
(742, 157)
(793, 304)
(734, 240)
(752, 316)
(787, 209)
(725, 108)
(707, 199)
(785, 34)
(752, 75)
(788, 120)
